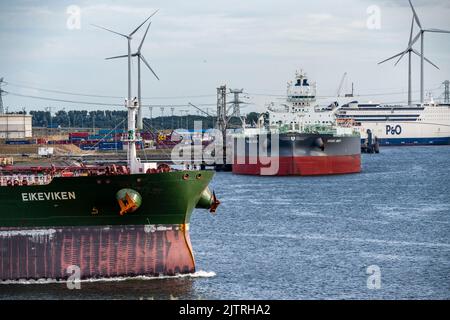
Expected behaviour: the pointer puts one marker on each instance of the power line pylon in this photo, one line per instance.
(221, 123)
(236, 102)
(2, 110)
(446, 84)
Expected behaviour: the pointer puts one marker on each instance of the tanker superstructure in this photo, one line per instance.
(300, 138)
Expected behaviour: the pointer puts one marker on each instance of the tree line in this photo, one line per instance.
(109, 119)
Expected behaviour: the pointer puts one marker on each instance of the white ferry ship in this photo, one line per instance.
(424, 124)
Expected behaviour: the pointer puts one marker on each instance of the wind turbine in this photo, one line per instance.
(422, 58)
(409, 50)
(421, 35)
(131, 155)
(128, 37)
(140, 57)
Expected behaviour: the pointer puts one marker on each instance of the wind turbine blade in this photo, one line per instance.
(120, 34)
(412, 29)
(146, 63)
(431, 63)
(415, 39)
(403, 52)
(143, 38)
(418, 54)
(415, 15)
(134, 31)
(437, 30)
(122, 56)
(116, 57)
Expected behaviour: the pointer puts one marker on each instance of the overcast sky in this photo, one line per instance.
(195, 46)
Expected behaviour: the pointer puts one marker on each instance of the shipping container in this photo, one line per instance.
(78, 134)
(76, 139)
(88, 147)
(111, 131)
(94, 137)
(110, 145)
(59, 142)
(17, 142)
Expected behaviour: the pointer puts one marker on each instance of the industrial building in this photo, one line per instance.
(15, 126)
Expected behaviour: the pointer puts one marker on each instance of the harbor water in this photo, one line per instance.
(309, 238)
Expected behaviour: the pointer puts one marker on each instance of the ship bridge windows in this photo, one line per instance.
(302, 97)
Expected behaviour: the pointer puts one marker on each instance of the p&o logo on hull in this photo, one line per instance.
(393, 130)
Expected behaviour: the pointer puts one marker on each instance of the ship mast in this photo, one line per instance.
(133, 162)
(132, 106)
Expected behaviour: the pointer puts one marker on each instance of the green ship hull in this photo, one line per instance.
(75, 223)
(167, 198)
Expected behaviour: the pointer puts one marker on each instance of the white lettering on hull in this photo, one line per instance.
(43, 196)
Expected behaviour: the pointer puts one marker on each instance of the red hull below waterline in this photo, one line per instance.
(298, 165)
(98, 252)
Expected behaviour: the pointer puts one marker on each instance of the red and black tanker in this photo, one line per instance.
(298, 138)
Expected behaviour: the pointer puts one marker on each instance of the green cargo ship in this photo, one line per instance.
(47, 230)
(100, 222)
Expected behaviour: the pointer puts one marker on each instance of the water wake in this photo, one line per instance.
(197, 274)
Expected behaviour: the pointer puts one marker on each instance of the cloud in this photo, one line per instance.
(415, 3)
(318, 18)
(252, 44)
